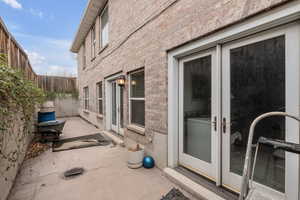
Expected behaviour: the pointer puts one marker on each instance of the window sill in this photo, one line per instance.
(86, 111)
(137, 129)
(99, 116)
(102, 49)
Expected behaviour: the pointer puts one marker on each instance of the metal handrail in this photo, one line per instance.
(246, 171)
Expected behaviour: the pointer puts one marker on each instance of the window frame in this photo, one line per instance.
(86, 98)
(98, 98)
(105, 9)
(135, 99)
(93, 41)
(83, 56)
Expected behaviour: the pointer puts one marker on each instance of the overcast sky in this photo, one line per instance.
(45, 29)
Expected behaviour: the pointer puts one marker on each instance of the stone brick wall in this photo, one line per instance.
(141, 33)
(13, 145)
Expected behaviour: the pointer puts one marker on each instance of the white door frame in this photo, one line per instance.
(108, 105)
(279, 16)
(292, 34)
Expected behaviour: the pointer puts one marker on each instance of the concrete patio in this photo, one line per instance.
(106, 177)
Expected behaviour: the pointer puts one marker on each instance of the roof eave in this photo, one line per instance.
(86, 22)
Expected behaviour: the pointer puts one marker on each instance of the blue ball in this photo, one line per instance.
(148, 162)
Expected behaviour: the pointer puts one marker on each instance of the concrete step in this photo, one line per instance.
(191, 186)
(114, 138)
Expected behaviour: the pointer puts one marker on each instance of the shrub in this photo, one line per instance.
(17, 95)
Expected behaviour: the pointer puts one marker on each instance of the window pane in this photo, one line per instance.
(258, 86)
(100, 106)
(137, 85)
(93, 41)
(85, 97)
(86, 104)
(104, 18)
(104, 35)
(104, 28)
(138, 112)
(99, 90)
(83, 56)
(93, 34)
(85, 93)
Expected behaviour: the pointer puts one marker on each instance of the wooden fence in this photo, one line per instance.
(18, 59)
(57, 84)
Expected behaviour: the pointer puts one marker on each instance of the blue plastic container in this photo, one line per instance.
(46, 116)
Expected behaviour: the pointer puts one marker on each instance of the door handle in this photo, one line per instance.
(224, 125)
(215, 123)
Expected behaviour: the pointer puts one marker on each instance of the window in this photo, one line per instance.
(86, 98)
(99, 98)
(104, 27)
(137, 98)
(83, 56)
(93, 41)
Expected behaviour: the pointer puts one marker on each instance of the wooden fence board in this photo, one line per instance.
(57, 84)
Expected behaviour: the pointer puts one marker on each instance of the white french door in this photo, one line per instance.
(261, 74)
(116, 108)
(250, 76)
(197, 113)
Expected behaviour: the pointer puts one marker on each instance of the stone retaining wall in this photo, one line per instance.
(13, 146)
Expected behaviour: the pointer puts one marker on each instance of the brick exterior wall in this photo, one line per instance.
(140, 34)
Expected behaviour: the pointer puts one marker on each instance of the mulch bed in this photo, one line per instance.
(35, 149)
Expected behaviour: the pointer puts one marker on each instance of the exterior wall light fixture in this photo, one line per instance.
(121, 80)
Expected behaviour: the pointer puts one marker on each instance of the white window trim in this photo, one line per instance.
(86, 98)
(133, 98)
(98, 97)
(100, 22)
(279, 16)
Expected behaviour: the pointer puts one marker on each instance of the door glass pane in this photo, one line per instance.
(197, 108)
(114, 104)
(121, 107)
(258, 86)
(100, 106)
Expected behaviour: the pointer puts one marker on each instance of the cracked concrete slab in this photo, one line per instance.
(107, 176)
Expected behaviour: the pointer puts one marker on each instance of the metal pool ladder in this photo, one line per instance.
(248, 191)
